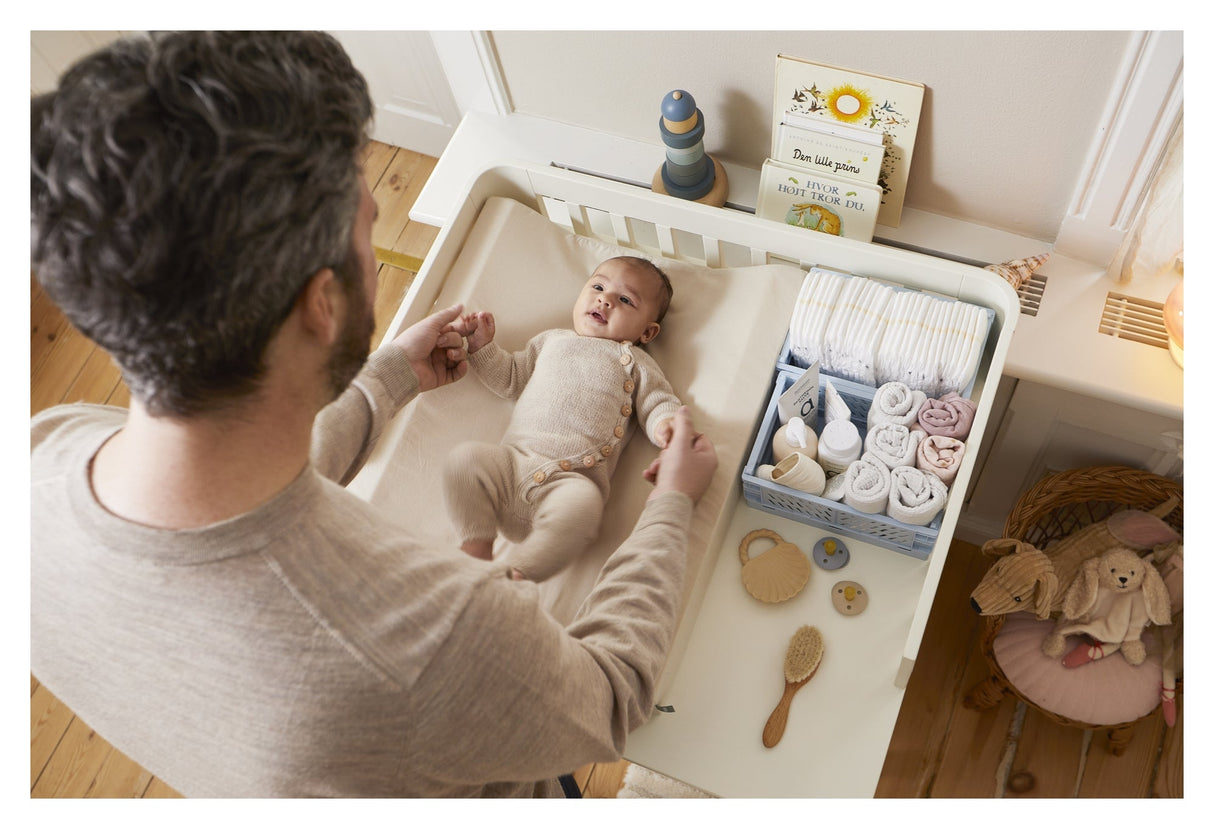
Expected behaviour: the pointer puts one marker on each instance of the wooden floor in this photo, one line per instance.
(939, 748)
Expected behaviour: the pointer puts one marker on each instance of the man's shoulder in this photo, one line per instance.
(66, 425)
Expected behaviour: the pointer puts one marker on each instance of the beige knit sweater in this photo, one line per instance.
(311, 647)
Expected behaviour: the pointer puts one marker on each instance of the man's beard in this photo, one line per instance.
(354, 343)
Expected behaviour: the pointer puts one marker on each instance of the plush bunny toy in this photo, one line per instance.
(1112, 599)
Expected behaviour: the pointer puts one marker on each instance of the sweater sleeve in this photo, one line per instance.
(346, 430)
(655, 398)
(531, 700)
(503, 373)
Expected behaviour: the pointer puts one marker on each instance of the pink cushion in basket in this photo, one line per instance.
(1104, 692)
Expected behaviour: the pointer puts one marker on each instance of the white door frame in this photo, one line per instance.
(1144, 107)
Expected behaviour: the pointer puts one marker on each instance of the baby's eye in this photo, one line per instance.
(598, 287)
(626, 300)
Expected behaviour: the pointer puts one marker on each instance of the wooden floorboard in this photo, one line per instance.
(1051, 756)
(936, 682)
(972, 756)
(939, 748)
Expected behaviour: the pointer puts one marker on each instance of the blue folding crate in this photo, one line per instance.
(881, 530)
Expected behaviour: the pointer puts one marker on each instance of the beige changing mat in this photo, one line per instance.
(718, 346)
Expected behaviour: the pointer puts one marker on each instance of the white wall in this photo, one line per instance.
(1008, 120)
(51, 52)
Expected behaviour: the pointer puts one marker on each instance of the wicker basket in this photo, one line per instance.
(1054, 507)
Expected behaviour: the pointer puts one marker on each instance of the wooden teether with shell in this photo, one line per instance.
(777, 574)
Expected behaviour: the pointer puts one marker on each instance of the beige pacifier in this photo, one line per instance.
(849, 598)
(776, 575)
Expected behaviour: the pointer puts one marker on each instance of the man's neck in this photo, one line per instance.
(192, 472)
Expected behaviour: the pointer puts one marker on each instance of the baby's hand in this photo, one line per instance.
(479, 328)
(663, 432)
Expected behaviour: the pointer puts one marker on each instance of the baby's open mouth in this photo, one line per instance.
(597, 316)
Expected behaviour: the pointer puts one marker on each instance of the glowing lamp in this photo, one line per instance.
(1173, 320)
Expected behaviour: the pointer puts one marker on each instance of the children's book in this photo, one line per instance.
(834, 95)
(830, 152)
(815, 201)
(836, 128)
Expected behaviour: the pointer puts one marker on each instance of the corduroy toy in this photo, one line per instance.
(1112, 599)
(1025, 578)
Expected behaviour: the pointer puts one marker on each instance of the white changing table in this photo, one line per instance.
(726, 672)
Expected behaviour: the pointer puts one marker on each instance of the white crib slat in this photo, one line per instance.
(666, 242)
(580, 219)
(712, 251)
(622, 226)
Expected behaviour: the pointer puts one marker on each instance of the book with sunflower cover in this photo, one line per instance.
(800, 197)
(876, 103)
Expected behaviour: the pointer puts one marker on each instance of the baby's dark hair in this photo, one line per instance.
(666, 294)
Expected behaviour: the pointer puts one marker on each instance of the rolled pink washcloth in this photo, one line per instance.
(951, 416)
(941, 456)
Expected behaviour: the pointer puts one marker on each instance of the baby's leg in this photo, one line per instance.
(476, 481)
(568, 511)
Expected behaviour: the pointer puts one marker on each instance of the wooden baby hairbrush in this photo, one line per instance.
(800, 664)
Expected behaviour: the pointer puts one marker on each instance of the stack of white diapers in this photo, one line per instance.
(872, 333)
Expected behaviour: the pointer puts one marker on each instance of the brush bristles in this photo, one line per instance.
(804, 653)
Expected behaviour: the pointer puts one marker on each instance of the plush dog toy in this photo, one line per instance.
(1025, 578)
(1114, 597)
(1022, 579)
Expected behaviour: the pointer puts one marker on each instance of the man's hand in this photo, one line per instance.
(435, 349)
(686, 464)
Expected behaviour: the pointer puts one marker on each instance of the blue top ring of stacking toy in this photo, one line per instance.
(678, 105)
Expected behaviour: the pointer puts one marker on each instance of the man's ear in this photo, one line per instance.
(320, 305)
(650, 332)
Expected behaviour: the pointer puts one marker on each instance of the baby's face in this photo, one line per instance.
(620, 303)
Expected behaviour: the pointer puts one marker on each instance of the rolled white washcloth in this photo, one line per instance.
(895, 402)
(794, 436)
(866, 487)
(940, 455)
(839, 445)
(915, 496)
(893, 444)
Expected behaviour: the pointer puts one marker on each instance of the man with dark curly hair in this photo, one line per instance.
(204, 593)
